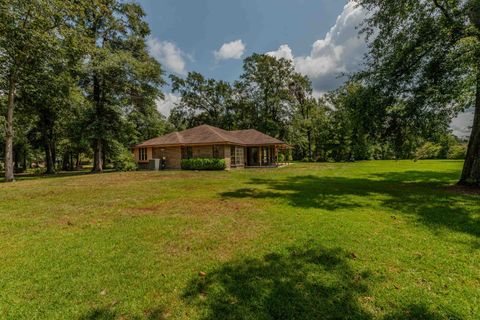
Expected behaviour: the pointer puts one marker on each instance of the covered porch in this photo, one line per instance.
(266, 156)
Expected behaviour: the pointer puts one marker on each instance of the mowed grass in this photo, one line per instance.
(366, 240)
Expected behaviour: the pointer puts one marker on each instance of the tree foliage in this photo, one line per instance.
(425, 55)
(118, 72)
(80, 75)
(204, 101)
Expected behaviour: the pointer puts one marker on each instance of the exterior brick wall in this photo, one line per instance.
(202, 152)
(174, 157)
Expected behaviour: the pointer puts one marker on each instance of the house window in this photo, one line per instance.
(236, 156)
(232, 155)
(217, 152)
(187, 152)
(142, 154)
(265, 155)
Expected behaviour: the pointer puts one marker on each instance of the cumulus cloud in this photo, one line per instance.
(230, 50)
(283, 52)
(340, 52)
(164, 106)
(168, 54)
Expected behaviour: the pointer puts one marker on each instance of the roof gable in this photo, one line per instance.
(206, 134)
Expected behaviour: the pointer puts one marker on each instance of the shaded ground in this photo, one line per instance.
(413, 193)
(305, 282)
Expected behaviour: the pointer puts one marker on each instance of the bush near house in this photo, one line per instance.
(203, 164)
(124, 161)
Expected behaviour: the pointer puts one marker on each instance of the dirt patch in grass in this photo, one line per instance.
(197, 207)
(215, 227)
(463, 190)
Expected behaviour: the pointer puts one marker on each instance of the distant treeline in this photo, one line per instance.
(77, 84)
(354, 122)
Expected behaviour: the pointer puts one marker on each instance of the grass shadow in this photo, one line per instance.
(108, 313)
(308, 282)
(99, 314)
(420, 312)
(420, 195)
(305, 282)
(60, 174)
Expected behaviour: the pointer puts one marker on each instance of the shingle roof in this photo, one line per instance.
(254, 137)
(206, 134)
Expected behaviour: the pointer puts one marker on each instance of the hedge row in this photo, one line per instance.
(203, 164)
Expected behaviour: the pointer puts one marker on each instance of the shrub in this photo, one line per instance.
(457, 152)
(36, 171)
(203, 164)
(428, 151)
(124, 161)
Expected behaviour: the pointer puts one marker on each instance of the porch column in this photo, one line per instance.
(275, 154)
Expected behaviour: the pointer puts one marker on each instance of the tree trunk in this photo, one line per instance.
(99, 113)
(25, 159)
(49, 158)
(9, 172)
(98, 157)
(71, 162)
(471, 167)
(16, 160)
(309, 136)
(65, 161)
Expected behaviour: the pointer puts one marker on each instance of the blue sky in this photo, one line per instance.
(213, 36)
(199, 27)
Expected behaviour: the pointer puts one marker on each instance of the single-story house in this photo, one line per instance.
(239, 148)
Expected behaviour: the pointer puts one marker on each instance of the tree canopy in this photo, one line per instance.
(424, 57)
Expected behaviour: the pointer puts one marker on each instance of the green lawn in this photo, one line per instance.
(367, 240)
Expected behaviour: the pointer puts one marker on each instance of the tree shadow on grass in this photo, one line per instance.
(420, 312)
(108, 313)
(60, 174)
(311, 282)
(305, 282)
(416, 194)
(100, 314)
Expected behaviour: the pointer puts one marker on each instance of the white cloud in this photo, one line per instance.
(340, 51)
(283, 52)
(164, 106)
(230, 50)
(168, 54)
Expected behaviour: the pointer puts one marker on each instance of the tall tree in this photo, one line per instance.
(203, 101)
(48, 96)
(118, 68)
(29, 31)
(304, 105)
(265, 85)
(427, 53)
